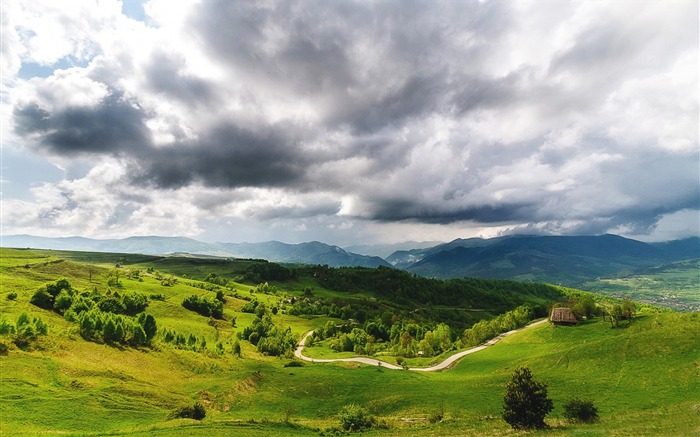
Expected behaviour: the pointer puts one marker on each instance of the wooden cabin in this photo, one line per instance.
(562, 316)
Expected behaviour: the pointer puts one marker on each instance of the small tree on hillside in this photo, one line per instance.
(525, 403)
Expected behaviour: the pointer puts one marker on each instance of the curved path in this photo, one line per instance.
(440, 366)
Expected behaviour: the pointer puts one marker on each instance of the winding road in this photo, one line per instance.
(440, 366)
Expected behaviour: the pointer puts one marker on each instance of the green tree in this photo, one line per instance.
(525, 403)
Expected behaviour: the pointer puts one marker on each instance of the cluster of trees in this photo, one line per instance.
(61, 297)
(23, 332)
(262, 270)
(112, 317)
(405, 337)
(270, 339)
(96, 325)
(401, 337)
(624, 310)
(487, 329)
(205, 306)
(213, 278)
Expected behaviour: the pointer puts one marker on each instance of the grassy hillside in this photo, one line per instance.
(643, 377)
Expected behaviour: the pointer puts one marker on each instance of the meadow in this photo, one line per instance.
(643, 376)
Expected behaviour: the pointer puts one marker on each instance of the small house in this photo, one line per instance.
(562, 316)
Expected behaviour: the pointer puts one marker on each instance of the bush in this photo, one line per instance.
(294, 364)
(11, 295)
(525, 403)
(196, 412)
(580, 410)
(355, 418)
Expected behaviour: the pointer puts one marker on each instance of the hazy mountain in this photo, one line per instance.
(304, 253)
(384, 250)
(148, 245)
(566, 260)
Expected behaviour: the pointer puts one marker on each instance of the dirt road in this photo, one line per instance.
(440, 366)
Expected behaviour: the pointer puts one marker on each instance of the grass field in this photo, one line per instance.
(644, 378)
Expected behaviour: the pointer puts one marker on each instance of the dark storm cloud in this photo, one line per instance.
(228, 156)
(437, 213)
(115, 126)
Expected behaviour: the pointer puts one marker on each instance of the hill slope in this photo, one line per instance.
(643, 377)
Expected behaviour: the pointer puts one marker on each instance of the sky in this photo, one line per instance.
(350, 122)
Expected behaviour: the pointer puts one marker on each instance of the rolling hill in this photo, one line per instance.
(642, 376)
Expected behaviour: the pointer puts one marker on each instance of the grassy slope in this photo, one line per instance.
(644, 378)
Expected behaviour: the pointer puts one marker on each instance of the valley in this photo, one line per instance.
(62, 382)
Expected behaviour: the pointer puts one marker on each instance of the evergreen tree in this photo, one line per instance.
(525, 403)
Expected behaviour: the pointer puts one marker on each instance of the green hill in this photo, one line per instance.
(642, 376)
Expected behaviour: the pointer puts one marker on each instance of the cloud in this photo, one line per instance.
(569, 118)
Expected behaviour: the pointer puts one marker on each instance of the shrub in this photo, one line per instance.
(580, 410)
(196, 412)
(525, 403)
(294, 364)
(355, 418)
(4, 348)
(11, 295)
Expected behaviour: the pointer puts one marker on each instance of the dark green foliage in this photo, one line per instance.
(11, 295)
(149, 325)
(42, 299)
(196, 412)
(111, 305)
(236, 349)
(580, 410)
(294, 364)
(63, 301)
(134, 303)
(525, 403)
(404, 288)
(270, 339)
(355, 418)
(4, 349)
(249, 307)
(6, 327)
(213, 278)
(204, 306)
(267, 271)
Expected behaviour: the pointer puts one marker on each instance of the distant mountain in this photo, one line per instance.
(304, 253)
(148, 245)
(556, 259)
(384, 250)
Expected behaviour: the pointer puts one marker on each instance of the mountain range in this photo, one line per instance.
(305, 253)
(566, 260)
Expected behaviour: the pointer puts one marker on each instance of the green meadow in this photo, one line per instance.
(643, 376)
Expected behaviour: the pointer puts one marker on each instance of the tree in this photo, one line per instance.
(525, 403)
